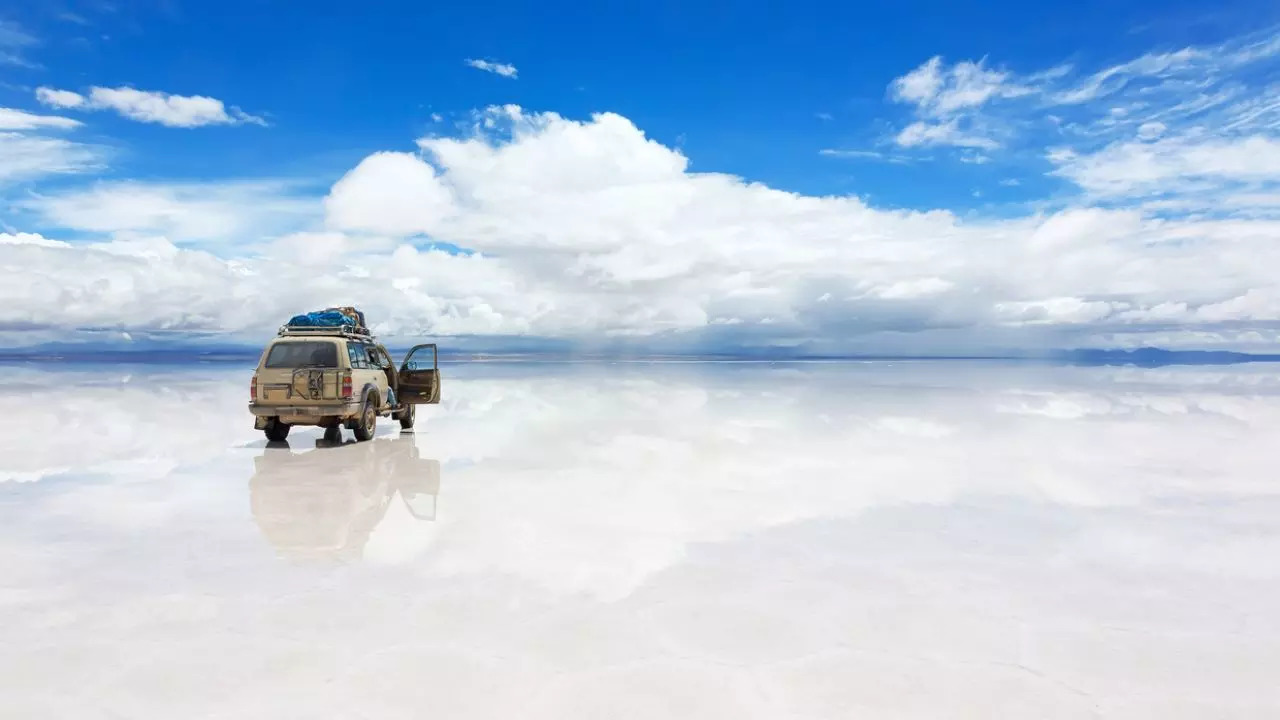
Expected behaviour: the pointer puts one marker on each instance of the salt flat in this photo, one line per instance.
(879, 540)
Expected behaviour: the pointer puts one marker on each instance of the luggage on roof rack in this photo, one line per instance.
(334, 317)
(356, 316)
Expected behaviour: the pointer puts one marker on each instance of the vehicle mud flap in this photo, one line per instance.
(260, 422)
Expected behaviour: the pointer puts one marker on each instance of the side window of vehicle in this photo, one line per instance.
(358, 359)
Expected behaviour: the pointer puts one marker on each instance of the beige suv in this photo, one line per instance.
(335, 378)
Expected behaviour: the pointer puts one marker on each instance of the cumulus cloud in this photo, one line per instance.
(388, 193)
(588, 229)
(30, 239)
(497, 68)
(150, 106)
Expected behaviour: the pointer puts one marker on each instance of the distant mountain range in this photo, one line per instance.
(1156, 357)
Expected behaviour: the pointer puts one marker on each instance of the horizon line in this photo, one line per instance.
(1147, 356)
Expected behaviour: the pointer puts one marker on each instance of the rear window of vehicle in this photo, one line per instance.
(302, 354)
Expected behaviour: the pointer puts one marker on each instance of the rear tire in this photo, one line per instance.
(332, 435)
(276, 431)
(368, 423)
(407, 416)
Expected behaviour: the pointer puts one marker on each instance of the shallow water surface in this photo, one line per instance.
(887, 540)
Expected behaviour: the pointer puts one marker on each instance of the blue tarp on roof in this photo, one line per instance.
(323, 318)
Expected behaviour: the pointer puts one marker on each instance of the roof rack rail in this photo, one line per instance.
(344, 331)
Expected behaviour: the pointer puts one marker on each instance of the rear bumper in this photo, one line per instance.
(329, 409)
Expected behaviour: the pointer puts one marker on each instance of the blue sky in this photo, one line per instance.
(243, 133)
(739, 90)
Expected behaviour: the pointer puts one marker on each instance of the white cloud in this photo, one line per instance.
(150, 106)
(1151, 130)
(60, 98)
(1218, 90)
(946, 98)
(1112, 79)
(829, 152)
(30, 239)
(972, 85)
(909, 289)
(11, 119)
(237, 212)
(1187, 131)
(589, 230)
(13, 42)
(863, 155)
(388, 193)
(1176, 164)
(1058, 310)
(504, 69)
(920, 86)
(26, 153)
(925, 134)
(25, 157)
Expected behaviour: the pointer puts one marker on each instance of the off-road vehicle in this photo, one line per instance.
(335, 377)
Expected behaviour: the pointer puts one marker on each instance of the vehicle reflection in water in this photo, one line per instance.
(324, 504)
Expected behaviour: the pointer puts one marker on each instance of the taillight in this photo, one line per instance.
(346, 385)
(253, 388)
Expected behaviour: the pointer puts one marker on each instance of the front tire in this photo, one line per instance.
(368, 422)
(276, 431)
(407, 416)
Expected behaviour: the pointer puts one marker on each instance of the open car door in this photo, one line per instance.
(420, 376)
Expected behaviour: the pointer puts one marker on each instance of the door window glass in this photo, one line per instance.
(421, 358)
(358, 358)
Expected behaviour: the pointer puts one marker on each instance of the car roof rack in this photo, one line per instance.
(346, 331)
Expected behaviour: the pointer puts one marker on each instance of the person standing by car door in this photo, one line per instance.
(379, 358)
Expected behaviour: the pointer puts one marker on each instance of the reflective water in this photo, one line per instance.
(631, 541)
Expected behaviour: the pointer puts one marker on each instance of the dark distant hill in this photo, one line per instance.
(1156, 357)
